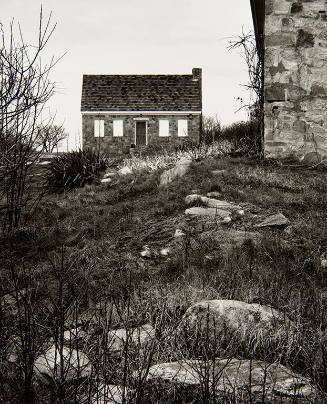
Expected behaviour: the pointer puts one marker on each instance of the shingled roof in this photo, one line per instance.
(142, 92)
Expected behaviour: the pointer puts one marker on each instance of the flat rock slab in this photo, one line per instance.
(234, 376)
(180, 169)
(210, 202)
(278, 220)
(241, 320)
(212, 212)
(218, 172)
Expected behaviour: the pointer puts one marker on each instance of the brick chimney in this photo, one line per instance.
(197, 74)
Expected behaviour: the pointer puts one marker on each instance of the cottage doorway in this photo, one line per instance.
(140, 133)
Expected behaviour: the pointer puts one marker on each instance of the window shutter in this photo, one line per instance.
(96, 127)
(182, 128)
(163, 127)
(101, 128)
(118, 127)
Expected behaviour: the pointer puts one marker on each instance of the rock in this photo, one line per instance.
(109, 393)
(106, 180)
(218, 172)
(125, 170)
(227, 220)
(110, 174)
(146, 252)
(278, 220)
(192, 199)
(180, 169)
(235, 376)
(311, 159)
(240, 319)
(210, 202)
(213, 212)
(179, 233)
(73, 335)
(323, 260)
(76, 364)
(164, 252)
(137, 336)
(214, 195)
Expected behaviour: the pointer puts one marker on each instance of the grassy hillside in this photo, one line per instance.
(79, 263)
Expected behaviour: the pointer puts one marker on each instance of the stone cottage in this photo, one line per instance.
(293, 36)
(120, 112)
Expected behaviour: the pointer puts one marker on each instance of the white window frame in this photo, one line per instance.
(182, 128)
(98, 127)
(164, 128)
(118, 128)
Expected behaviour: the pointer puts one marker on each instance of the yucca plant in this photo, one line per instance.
(75, 169)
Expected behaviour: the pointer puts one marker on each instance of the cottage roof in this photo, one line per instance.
(142, 92)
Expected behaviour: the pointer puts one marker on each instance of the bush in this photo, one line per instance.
(75, 169)
(245, 138)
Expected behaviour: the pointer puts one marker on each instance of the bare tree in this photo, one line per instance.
(24, 89)
(49, 137)
(254, 58)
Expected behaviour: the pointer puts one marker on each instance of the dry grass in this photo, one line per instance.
(103, 228)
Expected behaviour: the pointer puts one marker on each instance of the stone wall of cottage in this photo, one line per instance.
(295, 78)
(118, 145)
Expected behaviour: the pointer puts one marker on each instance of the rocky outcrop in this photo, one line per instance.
(215, 318)
(239, 378)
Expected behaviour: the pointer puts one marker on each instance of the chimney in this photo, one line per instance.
(197, 74)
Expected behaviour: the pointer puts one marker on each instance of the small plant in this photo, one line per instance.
(75, 169)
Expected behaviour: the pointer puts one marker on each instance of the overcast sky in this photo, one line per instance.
(140, 37)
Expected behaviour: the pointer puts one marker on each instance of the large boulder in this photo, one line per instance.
(244, 321)
(180, 169)
(76, 365)
(138, 336)
(242, 379)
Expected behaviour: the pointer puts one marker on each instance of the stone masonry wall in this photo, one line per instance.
(295, 78)
(119, 145)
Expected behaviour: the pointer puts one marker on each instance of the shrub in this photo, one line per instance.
(245, 138)
(74, 169)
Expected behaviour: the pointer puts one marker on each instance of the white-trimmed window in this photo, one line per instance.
(98, 128)
(118, 127)
(182, 128)
(163, 127)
